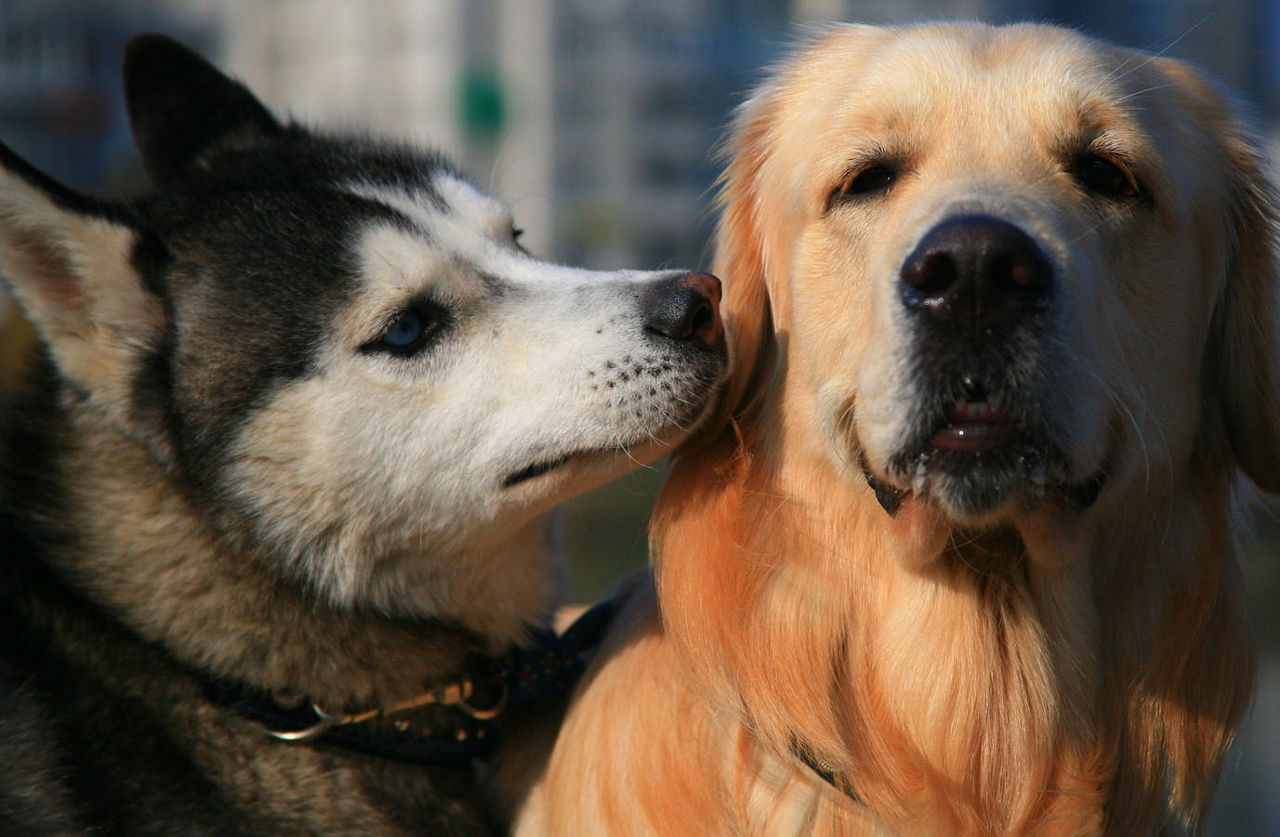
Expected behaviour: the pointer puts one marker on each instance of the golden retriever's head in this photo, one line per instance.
(1001, 272)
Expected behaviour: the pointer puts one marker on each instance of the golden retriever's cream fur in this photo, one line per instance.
(1016, 663)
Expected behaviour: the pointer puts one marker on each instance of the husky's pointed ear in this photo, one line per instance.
(180, 106)
(72, 264)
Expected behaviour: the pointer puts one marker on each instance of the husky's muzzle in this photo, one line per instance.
(682, 314)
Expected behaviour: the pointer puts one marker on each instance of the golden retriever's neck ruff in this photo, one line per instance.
(982, 692)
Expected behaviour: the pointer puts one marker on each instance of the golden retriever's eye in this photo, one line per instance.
(865, 182)
(1104, 177)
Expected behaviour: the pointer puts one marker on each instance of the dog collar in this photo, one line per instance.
(453, 723)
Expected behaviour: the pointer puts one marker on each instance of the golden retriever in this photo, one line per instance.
(959, 557)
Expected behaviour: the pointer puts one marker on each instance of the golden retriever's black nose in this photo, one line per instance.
(976, 272)
(685, 308)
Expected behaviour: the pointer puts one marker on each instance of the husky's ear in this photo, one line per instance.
(181, 107)
(71, 262)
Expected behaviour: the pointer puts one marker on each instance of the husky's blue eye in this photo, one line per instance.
(410, 332)
(404, 332)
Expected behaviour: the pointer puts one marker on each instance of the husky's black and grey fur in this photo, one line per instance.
(296, 424)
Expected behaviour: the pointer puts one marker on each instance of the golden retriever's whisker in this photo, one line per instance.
(1143, 92)
(1149, 57)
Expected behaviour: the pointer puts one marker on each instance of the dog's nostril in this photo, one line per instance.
(1023, 274)
(685, 308)
(701, 317)
(930, 276)
(977, 272)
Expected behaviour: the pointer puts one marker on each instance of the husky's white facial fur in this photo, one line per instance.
(400, 480)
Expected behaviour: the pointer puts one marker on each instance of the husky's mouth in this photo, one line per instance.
(535, 470)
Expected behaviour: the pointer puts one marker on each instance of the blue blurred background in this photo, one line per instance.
(595, 120)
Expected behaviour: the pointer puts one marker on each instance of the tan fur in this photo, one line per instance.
(1047, 672)
(86, 300)
(157, 567)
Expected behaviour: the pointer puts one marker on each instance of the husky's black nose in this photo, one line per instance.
(975, 273)
(685, 308)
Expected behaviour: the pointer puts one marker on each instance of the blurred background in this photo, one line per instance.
(595, 120)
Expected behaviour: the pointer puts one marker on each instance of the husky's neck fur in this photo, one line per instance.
(126, 533)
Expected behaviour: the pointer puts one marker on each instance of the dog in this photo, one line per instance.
(957, 555)
(276, 497)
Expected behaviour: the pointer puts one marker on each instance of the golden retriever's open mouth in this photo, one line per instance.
(987, 453)
(977, 424)
(968, 485)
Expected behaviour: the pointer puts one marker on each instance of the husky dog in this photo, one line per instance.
(274, 504)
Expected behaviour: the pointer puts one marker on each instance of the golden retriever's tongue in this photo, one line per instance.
(975, 425)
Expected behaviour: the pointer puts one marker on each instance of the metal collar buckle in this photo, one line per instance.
(451, 694)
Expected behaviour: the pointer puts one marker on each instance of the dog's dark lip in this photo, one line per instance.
(976, 424)
(1023, 460)
(889, 497)
(1080, 496)
(536, 470)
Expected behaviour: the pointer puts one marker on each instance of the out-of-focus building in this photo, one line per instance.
(642, 94)
(60, 101)
(595, 119)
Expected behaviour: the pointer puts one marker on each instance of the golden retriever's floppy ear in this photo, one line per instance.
(1242, 371)
(740, 255)
(1245, 344)
(73, 264)
(1248, 324)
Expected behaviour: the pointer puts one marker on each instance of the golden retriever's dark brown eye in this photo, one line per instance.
(865, 182)
(1104, 177)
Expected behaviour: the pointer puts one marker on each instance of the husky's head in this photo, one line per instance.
(338, 348)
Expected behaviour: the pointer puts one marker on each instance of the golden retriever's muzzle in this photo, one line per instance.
(979, 296)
